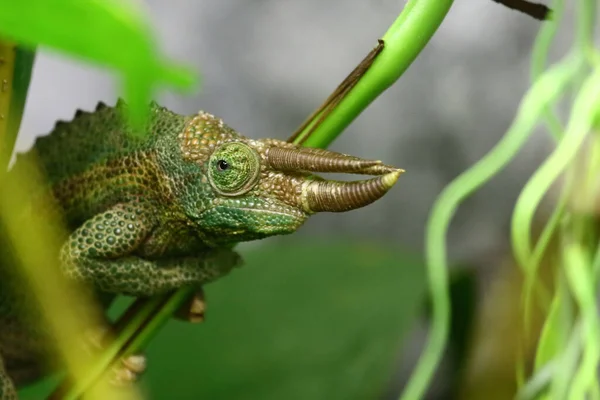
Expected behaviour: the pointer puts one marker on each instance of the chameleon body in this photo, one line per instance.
(148, 215)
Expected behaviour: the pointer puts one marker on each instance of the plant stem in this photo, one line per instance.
(404, 40)
(545, 89)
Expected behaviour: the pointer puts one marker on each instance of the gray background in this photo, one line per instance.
(267, 64)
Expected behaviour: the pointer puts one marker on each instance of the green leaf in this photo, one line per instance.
(109, 33)
(15, 75)
(301, 320)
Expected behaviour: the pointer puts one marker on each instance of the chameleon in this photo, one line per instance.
(149, 214)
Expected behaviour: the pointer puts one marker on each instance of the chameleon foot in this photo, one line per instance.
(128, 370)
(125, 371)
(193, 310)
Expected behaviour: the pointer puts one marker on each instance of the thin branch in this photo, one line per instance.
(535, 10)
(338, 94)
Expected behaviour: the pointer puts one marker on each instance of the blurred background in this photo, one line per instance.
(345, 321)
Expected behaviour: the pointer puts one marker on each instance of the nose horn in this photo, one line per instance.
(336, 196)
(319, 160)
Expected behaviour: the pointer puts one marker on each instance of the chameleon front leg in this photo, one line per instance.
(128, 369)
(101, 251)
(7, 388)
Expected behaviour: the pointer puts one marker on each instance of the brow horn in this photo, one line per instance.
(319, 160)
(336, 196)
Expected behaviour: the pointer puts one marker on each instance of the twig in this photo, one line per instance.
(338, 94)
(535, 10)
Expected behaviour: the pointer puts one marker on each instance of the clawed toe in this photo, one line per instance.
(128, 369)
(135, 363)
(193, 311)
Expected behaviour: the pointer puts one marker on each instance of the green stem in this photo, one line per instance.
(539, 59)
(404, 40)
(538, 383)
(164, 314)
(540, 95)
(108, 355)
(543, 178)
(567, 363)
(579, 278)
(586, 16)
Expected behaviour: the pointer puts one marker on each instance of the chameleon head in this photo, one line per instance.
(260, 188)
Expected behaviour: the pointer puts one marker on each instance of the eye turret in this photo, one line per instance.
(233, 169)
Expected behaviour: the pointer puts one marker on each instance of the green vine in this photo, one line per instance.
(576, 231)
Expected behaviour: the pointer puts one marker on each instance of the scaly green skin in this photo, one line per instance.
(150, 215)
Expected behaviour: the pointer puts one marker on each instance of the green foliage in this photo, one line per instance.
(301, 320)
(575, 78)
(89, 30)
(22, 67)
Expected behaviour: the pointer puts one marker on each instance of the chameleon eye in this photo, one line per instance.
(233, 169)
(222, 165)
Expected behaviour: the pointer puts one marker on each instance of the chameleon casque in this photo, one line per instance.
(152, 214)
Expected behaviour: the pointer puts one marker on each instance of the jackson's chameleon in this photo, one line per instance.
(149, 215)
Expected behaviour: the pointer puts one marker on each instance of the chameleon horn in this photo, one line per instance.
(319, 160)
(336, 196)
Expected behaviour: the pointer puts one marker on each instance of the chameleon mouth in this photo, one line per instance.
(250, 220)
(256, 205)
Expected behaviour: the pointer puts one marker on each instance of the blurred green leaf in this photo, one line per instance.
(112, 33)
(19, 66)
(16, 64)
(301, 320)
(40, 389)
